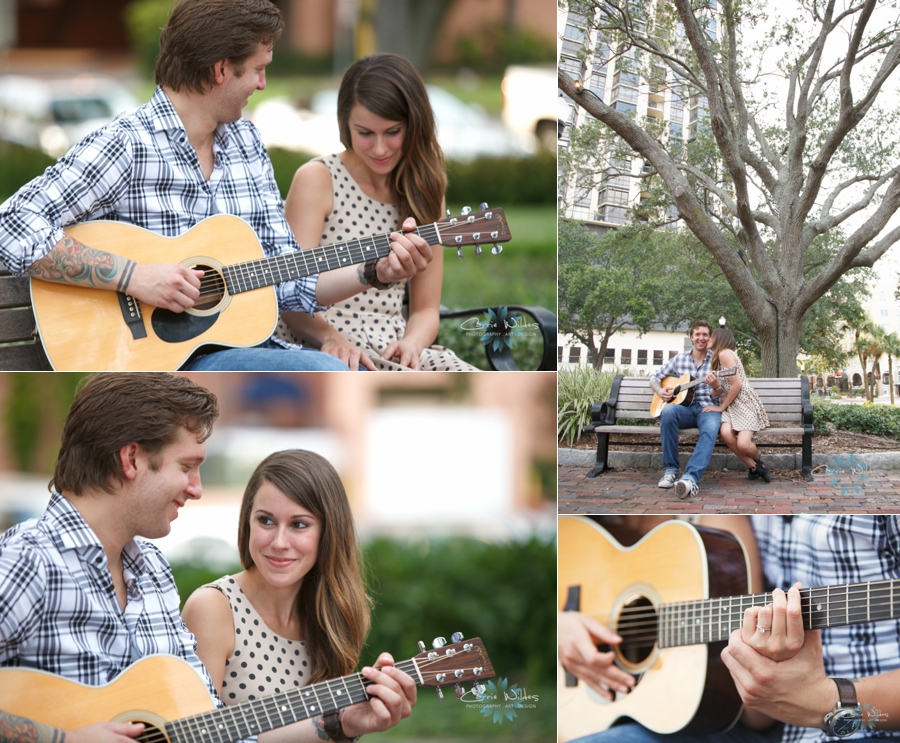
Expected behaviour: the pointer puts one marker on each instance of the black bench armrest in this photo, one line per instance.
(502, 360)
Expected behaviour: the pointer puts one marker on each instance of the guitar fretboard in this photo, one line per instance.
(712, 620)
(242, 277)
(252, 718)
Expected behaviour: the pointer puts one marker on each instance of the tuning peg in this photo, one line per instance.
(466, 210)
(477, 250)
(438, 642)
(483, 206)
(449, 213)
(456, 637)
(440, 693)
(497, 249)
(459, 691)
(421, 646)
(459, 253)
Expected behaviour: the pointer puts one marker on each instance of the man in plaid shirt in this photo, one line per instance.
(184, 156)
(694, 363)
(80, 596)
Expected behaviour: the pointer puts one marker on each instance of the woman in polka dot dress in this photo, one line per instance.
(299, 612)
(392, 168)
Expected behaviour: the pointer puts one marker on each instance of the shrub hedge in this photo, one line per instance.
(878, 420)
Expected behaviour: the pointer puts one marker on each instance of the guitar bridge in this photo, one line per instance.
(131, 313)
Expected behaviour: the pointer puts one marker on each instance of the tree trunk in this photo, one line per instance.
(779, 336)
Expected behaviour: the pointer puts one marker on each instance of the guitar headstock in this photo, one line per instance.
(729, 372)
(464, 660)
(474, 228)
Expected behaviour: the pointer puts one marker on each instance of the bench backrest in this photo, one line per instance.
(18, 350)
(782, 398)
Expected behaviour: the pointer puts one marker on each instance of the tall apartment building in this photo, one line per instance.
(612, 72)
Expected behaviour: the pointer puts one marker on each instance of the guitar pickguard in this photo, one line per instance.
(177, 327)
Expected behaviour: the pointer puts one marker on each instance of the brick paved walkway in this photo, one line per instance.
(635, 491)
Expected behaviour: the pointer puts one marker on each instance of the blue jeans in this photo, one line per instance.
(268, 356)
(672, 420)
(634, 733)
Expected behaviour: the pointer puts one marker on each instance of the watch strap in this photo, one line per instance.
(846, 692)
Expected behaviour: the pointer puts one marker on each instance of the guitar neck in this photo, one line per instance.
(242, 277)
(252, 718)
(713, 620)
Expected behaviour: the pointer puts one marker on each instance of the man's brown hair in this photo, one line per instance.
(113, 410)
(700, 324)
(200, 33)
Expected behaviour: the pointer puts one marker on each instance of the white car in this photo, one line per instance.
(53, 115)
(464, 131)
(529, 103)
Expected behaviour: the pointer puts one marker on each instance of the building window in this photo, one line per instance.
(559, 354)
(575, 355)
(657, 358)
(672, 354)
(610, 355)
(626, 357)
(642, 357)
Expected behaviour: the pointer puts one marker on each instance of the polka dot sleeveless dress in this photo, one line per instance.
(262, 663)
(373, 319)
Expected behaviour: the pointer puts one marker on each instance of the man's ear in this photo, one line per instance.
(219, 71)
(128, 458)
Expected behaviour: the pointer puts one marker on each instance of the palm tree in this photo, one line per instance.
(891, 346)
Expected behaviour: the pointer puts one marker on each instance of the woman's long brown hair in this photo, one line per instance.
(333, 606)
(721, 339)
(390, 87)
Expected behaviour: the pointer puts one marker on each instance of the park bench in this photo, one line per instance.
(21, 350)
(786, 402)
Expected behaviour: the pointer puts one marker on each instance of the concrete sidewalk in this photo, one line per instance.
(630, 490)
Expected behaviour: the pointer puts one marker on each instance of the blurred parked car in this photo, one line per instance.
(529, 103)
(464, 130)
(52, 115)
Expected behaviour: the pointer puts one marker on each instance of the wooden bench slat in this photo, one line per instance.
(14, 292)
(16, 325)
(26, 357)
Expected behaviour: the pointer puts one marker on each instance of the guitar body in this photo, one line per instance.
(685, 688)
(87, 329)
(154, 690)
(684, 397)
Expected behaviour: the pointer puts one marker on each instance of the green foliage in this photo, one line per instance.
(503, 181)
(34, 411)
(503, 593)
(145, 19)
(18, 165)
(491, 49)
(878, 420)
(576, 391)
(606, 282)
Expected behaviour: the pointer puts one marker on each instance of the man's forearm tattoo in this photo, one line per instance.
(70, 262)
(14, 729)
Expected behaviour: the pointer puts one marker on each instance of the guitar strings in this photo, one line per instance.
(155, 735)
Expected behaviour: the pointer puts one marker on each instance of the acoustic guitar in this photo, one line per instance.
(169, 696)
(674, 597)
(98, 330)
(682, 390)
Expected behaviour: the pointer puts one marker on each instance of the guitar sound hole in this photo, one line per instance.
(150, 733)
(212, 288)
(638, 626)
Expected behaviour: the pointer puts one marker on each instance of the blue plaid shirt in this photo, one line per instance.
(684, 363)
(141, 169)
(58, 607)
(819, 551)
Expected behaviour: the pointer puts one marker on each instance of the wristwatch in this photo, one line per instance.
(846, 717)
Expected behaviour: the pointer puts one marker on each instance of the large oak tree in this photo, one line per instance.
(817, 158)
